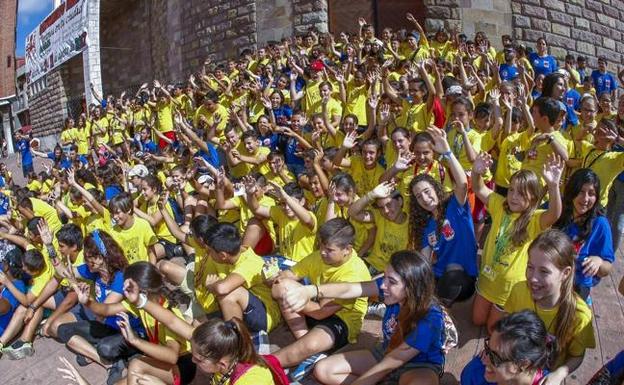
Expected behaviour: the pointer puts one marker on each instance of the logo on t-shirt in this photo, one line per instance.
(447, 231)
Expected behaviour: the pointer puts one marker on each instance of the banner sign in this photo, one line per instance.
(61, 36)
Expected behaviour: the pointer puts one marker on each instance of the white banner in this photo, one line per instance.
(59, 37)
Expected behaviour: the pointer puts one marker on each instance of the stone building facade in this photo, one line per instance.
(142, 40)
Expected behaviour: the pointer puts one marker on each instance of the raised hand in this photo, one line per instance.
(459, 126)
(482, 163)
(44, 232)
(83, 290)
(361, 22)
(221, 178)
(266, 102)
(250, 184)
(373, 101)
(410, 18)
(404, 161)
(383, 190)
(350, 140)
(277, 189)
(384, 114)
(440, 144)
(553, 169)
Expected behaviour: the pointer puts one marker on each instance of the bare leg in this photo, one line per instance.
(149, 366)
(344, 368)
(253, 233)
(315, 341)
(234, 304)
(481, 309)
(172, 271)
(81, 346)
(15, 325)
(295, 321)
(420, 376)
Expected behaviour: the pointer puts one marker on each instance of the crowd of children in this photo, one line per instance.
(315, 182)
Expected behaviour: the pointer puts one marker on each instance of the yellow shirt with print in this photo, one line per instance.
(389, 237)
(43, 209)
(164, 116)
(135, 241)
(503, 264)
(311, 96)
(98, 221)
(606, 164)
(100, 130)
(275, 178)
(415, 117)
(333, 108)
(296, 240)
(245, 213)
(582, 331)
(165, 335)
(249, 266)
(352, 270)
(68, 136)
(82, 140)
(204, 265)
(437, 170)
(456, 140)
(536, 155)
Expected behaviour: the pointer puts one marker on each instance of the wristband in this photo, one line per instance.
(142, 301)
(446, 155)
(550, 139)
(32, 307)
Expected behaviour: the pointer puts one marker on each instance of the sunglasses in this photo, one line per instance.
(494, 358)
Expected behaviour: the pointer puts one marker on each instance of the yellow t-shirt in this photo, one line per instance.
(164, 333)
(42, 209)
(296, 240)
(415, 117)
(256, 375)
(606, 164)
(98, 221)
(161, 230)
(272, 177)
(101, 126)
(365, 179)
(245, 213)
(389, 237)
(82, 140)
(356, 101)
(249, 266)
(361, 229)
(333, 108)
(311, 96)
(164, 116)
(436, 170)
(536, 155)
(503, 264)
(220, 110)
(67, 136)
(583, 330)
(135, 240)
(352, 270)
(204, 265)
(508, 162)
(41, 280)
(456, 141)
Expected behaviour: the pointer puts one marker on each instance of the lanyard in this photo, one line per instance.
(502, 238)
(585, 165)
(153, 338)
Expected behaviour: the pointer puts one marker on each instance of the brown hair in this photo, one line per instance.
(531, 190)
(215, 339)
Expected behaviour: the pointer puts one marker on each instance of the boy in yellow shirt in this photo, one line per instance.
(134, 235)
(296, 225)
(323, 324)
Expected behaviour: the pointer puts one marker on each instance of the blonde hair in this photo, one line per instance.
(559, 250)
(530, 188)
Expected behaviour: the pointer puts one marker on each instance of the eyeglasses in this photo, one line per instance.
(494, 358)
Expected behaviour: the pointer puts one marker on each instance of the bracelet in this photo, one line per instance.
(142, 301)
(550, 139)
(32, 307)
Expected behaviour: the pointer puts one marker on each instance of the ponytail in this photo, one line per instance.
(215, 339)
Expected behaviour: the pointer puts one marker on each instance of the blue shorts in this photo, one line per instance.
(82, 313)
(27, 169)
(255, 315)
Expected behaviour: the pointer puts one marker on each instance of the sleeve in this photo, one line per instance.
(84, 272)
(512, 304)
(428, 330)
(495, 203)
(602, 243)
(583, 335)
(303, 268)
(379, 282)
(275, 214)
(117, 286)
(149, 237)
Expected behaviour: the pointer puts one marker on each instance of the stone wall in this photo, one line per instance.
(8, 10)
(442, 14)
(274, 19)
(581, 27)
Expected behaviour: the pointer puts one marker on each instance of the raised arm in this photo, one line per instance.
(553, 169)
(480, 167)
(441, 146)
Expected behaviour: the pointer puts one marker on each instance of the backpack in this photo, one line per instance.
(272, 363)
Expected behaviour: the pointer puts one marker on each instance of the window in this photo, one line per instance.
(9, 60)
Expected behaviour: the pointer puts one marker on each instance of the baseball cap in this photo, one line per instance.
(139, 170)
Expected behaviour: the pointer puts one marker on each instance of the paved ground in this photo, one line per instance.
(608, 321)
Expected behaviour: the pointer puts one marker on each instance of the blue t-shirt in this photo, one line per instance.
(508, 72)
(212, 156)
(270, 140)
(282, 115)
(474, 373)
(603, 82)
(149, 146)
(13, 303)
(427, 337)
(543, 64)
(611, 373)
(291, 146)
(102, 290)
(457, 243)
(598, 243)
(572, 99)
(23, 146)
(5, 203)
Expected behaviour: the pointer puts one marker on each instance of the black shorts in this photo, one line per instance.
(255, 315)
(169, 247)
(335, 326)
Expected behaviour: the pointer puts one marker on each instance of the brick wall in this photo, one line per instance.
(8, 10)
(587, 27)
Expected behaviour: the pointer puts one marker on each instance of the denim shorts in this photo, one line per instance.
(395, 375)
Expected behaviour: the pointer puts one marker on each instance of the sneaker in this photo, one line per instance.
(305, 367)
(82, 360)
(19, 350)
(115, 372)
(261, 342)
(376, 309)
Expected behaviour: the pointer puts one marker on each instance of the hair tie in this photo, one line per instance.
(98, 242)
(231, 325)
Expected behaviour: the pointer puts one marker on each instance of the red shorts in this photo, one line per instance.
(169, 134)
(265, 244)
